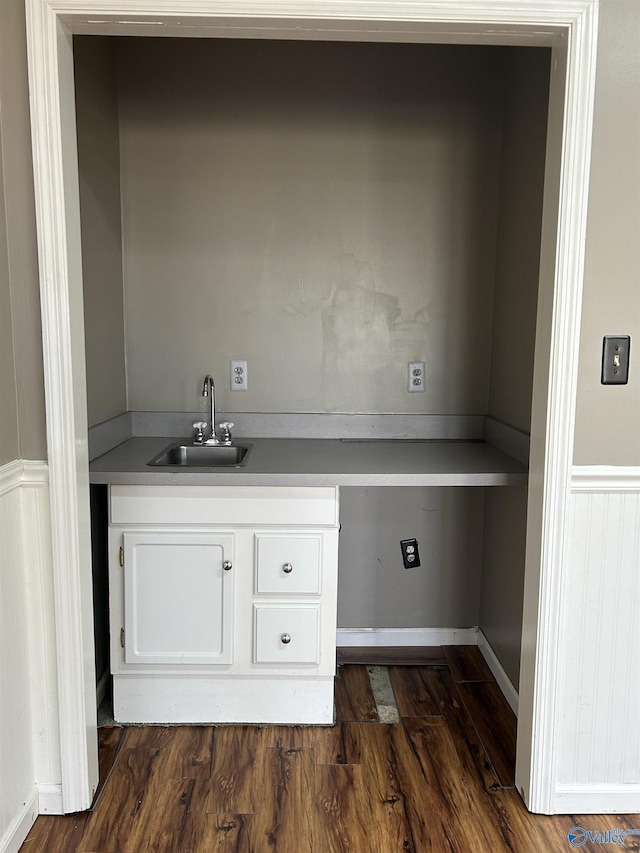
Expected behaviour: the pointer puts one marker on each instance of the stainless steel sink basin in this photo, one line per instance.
(199, 456)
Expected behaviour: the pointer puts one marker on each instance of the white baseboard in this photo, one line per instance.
(245, 700)
(18, 829)
(504, 682)
(381, 637)
(50, 798)
(596, 799)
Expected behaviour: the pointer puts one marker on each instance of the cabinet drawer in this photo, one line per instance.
(288, 565)
(286, 635)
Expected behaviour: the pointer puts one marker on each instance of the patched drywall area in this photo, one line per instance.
(326, 211)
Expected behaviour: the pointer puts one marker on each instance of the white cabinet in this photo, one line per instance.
(223, 603)
(178, 597)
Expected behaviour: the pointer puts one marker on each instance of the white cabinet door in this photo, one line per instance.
(178, 597)
(287, 563)
(287, 635)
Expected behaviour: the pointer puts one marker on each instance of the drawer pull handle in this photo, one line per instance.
(287, 568)
(227, 565)
(286, 639)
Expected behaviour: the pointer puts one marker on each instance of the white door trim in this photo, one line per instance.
(570, 26)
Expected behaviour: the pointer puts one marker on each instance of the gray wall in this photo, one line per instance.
(99, 174)
(502, 586)
(514, 327)
(22, 422)
(608, 417)
(376, 591)
(326, 211)
(526, 98)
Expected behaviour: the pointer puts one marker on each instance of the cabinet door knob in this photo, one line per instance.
(227, 565)
(286, 639)
(287, 568)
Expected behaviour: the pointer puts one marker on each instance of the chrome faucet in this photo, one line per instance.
(209, 390)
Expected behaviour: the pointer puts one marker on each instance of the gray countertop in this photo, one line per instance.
(319, 462)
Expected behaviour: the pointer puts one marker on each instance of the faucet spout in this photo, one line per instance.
(209, 390)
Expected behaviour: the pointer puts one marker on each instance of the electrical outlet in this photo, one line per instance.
(415, 377)
(239, 377)
(615, 359)
(410, 555)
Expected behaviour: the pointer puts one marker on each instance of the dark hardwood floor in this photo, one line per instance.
(440, 780)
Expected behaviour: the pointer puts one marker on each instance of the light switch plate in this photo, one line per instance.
(615, 359)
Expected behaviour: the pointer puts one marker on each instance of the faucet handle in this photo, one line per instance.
(226, 427)
(199, 427)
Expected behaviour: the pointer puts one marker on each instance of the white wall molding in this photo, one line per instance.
(50, 797)
(605, 478)
(565, 201)
(35, 473)
(56, 189)
(11, 840)
(11, 476)
(14, 474)
(376, 638)
(597, 799)
(504, 682)
(23, 472)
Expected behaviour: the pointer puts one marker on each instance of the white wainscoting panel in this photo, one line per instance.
(42, 635)
(29, 745)
(17, 779)
(599, 684)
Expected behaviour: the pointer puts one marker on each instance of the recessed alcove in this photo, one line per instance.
(328, 211)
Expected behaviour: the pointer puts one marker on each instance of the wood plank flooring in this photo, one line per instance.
(438, 781)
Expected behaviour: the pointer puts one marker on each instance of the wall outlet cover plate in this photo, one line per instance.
(410, 554)
(415, 376)
(239, 375)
